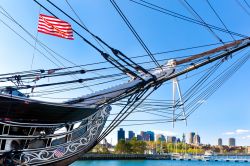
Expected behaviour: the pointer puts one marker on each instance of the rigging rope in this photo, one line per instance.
(78, 17)
(247, 4)
(33, 56)
(105, 55)
(220, 81)
(217, 15)
(134, 32)
(242, 7)
(196, 15)
(61, 82)
(180, 16)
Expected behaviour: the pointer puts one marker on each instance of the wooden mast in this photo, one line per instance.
(212, 51)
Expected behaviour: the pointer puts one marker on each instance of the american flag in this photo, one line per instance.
(59, 152)
(54, 26)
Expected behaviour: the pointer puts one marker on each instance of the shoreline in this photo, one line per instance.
(124, 157)
(93, 156)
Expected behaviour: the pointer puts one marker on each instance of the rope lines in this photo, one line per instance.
(134, 100)
(217, 15)
(134, 32)
(208, 88)
(242, 7)
(106, 56)
(198, 17)
(180, 16)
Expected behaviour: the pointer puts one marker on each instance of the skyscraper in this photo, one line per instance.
(151, 135)
(147, 137)
(160, 137)
(196, 139)
(231, 142)
(191, 137)
(143, 135)
(121, 134)
(183, 138)
(219, 142)
(131, 135)
(139, 138)
(171, 139)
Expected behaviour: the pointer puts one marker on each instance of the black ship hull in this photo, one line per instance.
(40, 133)
(31, 111)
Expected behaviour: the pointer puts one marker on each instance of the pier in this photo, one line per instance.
(215, 158)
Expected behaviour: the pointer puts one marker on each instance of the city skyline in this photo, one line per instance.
(224, 115)
(193, 138)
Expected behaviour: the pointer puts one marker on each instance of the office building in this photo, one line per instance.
(231, 142)
(139, 137)
(160, 137)
(171, 139)
(196, 139)
(219, 142)
(131, 135)
(183, 138)
(151, 135)
(143, 135)
(191, 138)
(121, 134)
(146, 137)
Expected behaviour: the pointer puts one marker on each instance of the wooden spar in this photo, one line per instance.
(124, 90)
(196, 66)
(224, 47)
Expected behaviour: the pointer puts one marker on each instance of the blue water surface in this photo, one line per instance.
(155, 163)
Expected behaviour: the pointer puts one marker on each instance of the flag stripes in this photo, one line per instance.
(59, 152)
(54, 26)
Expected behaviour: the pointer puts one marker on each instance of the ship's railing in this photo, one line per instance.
(42, 135)
(19, 124)
(27, 136)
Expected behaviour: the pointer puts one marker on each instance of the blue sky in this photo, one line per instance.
(225, 114)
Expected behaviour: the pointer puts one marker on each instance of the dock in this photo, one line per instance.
(215, 159)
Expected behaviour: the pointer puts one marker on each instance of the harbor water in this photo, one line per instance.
(156, 163)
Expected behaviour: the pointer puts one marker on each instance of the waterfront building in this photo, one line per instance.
(248, 150)
(147, 137)
(139, 137)
(183, 138)
(191, 138)
(231, 142)
(131, 135)
(219, 142)
(196, 139)
(160, 137)
(151, 135)
(121, 134)
(171, 139)
(143, 135)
